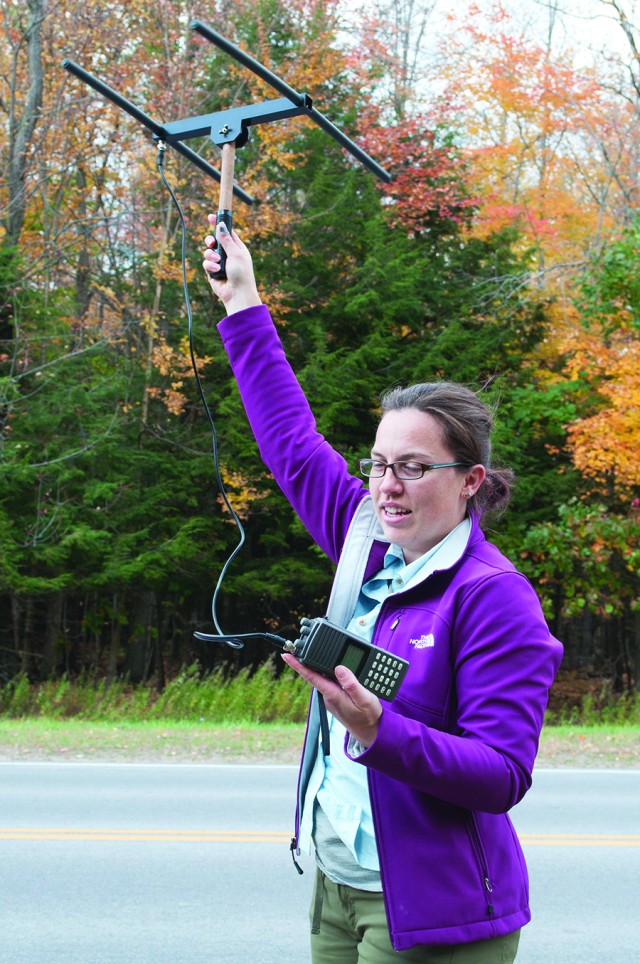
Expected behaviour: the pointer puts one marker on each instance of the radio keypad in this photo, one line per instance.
(383, 673)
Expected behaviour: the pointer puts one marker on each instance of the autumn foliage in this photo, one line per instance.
(503, 253)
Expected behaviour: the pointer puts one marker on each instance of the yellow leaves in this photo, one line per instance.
(162, 357)
(243, 493)
(166, 270)
(175, 364)
(605, 444)
(104, 315)
(272, 142)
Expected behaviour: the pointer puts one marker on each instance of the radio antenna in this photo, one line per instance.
(229, 129)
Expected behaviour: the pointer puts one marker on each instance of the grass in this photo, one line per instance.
(246, 742)
(264, 696)
(152, 741)
(261, 697)
(598, 709)
(242, 718)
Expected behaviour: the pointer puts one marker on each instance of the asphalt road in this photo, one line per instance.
(165, 864)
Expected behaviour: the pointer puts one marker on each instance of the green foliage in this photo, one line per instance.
(111, 530)
(94, 494)
(610, 290)
(589, 557)
(529, 437)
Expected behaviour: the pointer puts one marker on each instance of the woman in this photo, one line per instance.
(407, 815)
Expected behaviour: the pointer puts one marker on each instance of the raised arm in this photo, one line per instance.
(313, 476)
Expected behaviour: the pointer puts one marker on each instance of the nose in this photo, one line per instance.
(389, 481)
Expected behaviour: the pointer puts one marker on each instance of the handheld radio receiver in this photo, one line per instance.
(323, 646)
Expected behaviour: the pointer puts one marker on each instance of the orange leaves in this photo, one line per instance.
(175, 365)
(167, 270)
(544, 138)
(172, 398)
(605, 443)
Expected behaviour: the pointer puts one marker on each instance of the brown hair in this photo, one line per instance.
(466, 429)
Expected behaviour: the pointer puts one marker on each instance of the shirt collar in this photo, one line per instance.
(441, 556)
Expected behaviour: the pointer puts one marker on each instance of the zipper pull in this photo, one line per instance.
(394, 623)
(489, 888)
(292, 848)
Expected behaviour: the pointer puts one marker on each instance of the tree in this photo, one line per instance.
(585, 558)
(587, 564)
(115, 532)
(602, 354)
(22, 111)
(551, 147)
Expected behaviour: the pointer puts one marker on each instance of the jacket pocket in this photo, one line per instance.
(481, 860)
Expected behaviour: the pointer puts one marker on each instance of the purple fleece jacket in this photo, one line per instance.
(455, 750)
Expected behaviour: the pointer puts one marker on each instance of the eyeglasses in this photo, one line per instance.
(406, 471)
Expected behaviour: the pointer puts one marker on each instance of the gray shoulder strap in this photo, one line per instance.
(364, 528)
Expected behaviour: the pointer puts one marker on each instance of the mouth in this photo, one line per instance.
(394, 512)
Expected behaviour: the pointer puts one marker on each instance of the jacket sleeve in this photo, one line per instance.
(313, 476)
(504, 660)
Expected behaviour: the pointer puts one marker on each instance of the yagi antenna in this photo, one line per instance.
(158, 130)
(229, 129)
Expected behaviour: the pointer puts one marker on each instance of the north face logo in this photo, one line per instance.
(423, 642)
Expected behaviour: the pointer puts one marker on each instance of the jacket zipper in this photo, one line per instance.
(377, 629)
(482, 860)
(294, 850)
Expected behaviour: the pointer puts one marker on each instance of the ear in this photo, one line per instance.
(473, 479)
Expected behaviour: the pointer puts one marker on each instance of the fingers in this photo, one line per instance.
(233, 247)
(238, 290)
(321, 683)
(358, 710)
(212, 259)
(348, 683)
(211, 262)
(345, 689)
(221, 233)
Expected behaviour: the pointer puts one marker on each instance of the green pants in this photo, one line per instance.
(349, 926)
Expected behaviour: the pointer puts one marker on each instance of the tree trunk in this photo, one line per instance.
(152, 321)
(636, 649)
(52, 632)
(16, 613)
(21, 127)
(25, 653)
(139, 660)
(115, 640)
(83, 272)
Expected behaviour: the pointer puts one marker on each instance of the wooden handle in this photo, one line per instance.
(226, 177)
(226, 200)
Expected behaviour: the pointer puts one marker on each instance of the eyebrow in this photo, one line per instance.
(407, 457)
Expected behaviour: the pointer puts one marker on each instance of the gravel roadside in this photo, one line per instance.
(74, 740)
